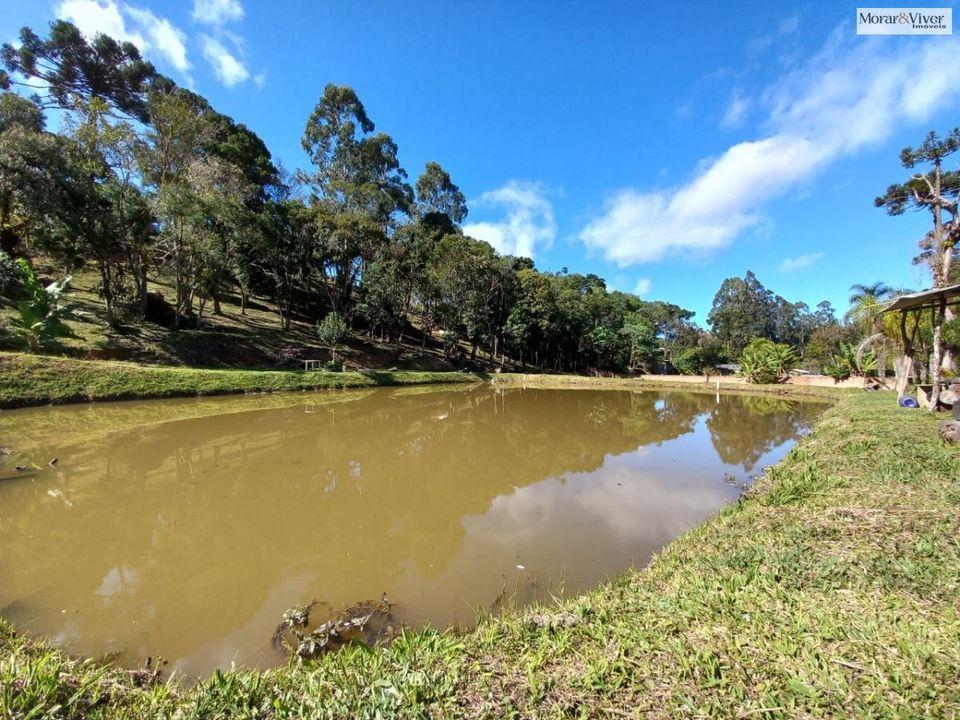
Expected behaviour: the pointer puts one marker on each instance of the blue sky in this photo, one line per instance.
(662, 147)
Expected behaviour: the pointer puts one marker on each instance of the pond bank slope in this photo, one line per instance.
(832, 591)
(27, 380)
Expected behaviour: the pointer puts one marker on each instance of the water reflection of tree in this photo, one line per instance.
(365, 489)
(745, 428)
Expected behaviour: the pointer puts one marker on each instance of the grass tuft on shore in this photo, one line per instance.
(27, 380)
(832, 589)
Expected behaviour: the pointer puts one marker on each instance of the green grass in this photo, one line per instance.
(832, 590)
(27, 380)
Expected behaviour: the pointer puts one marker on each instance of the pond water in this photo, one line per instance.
(185, 528)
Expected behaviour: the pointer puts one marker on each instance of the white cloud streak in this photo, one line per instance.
(529, 225)
(736, 111)
(642, 287)
(155, 36)
(228, 68)
(842, 100)
(217, 12)
(791, 264)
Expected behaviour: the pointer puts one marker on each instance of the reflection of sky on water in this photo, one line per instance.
(189, 537)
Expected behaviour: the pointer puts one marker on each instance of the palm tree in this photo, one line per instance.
(861, 294)
(866, 304)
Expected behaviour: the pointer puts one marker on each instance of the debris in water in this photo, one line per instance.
(52, 462)
(353, 623)
(296, 617)
(741, 485)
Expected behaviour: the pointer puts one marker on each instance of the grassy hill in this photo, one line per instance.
(251, 339)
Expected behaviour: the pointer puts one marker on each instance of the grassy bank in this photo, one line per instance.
(27, 380)
(833, 590)
(560, 382)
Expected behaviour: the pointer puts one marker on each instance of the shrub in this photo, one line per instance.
(844, 364)
(764, 361)
(10, 275)
(331, 331)
(699, 359)
(838, 368)
(689, 361)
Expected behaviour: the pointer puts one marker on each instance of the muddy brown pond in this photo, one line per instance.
(185, 528)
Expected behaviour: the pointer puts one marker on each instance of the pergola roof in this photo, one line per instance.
(926, 299)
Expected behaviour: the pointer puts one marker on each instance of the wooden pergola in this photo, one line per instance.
(936, 300)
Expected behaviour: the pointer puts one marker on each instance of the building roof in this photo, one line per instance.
(926, 299)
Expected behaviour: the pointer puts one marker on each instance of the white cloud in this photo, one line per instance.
(154, 36)
(800, 262)
(736, 111)
(226, 66)
(529, 225)
(217, 12)
(162, 35)
(845, 98)
(260, 79)
(642, 287)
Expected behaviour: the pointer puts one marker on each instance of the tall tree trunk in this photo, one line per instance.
(904, 364)
(936, 360)
(106, 280)
(948, 358)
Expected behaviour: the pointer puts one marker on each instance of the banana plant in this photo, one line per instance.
(40, 317)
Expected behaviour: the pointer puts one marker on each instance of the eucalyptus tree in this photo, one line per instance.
(218, 221)
(468, 277)
(112, 212)
(179, 130)
(397, 281)
(357, 187)
(642, 344)
(743, 309)
(285, 251)
(528, 322)
(438, 209)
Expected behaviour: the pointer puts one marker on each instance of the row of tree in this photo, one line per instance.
(144, 179)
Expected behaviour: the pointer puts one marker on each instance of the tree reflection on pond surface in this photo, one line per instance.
(185, 528)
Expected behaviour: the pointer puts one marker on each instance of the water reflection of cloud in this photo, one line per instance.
(571, 530)
(189, 535)
(119, 579)
(632, 504)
